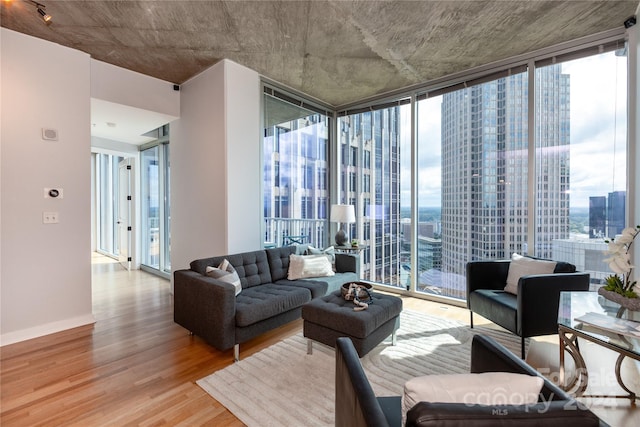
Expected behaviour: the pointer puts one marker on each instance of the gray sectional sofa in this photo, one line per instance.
(209, 308)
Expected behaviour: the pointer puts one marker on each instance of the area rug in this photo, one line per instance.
(284, 386)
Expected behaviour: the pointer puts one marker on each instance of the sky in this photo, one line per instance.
(598, 87)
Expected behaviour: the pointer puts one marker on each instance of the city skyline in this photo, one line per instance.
(597, 135)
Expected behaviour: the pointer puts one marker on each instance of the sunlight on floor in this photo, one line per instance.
(97, 258)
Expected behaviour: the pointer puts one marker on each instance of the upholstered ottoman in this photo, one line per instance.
(330, 317)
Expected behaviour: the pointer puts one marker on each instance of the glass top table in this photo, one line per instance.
(590, 316)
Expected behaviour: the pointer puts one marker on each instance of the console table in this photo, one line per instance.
(589, 316)
(350, 249)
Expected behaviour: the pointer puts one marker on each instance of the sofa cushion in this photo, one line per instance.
(525, 266)
(320, 286)
(499, 306)
(252, 267)
(258, 303)
(226, 273)
(278, 259)
(304, 266)
(335, 282)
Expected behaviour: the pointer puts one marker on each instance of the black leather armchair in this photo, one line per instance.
(534, 311)
(357, 405)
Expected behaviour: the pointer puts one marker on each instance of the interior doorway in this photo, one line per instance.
(131, 202)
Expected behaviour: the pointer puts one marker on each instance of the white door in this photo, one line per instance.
(125, 227)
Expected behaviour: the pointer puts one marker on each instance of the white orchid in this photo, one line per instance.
(628, 234)
(620, 262)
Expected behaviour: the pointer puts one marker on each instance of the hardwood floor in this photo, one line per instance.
(135, 366)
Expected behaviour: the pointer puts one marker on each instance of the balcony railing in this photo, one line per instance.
(285, 231)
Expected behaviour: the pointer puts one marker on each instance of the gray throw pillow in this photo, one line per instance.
(226, 273)
(330, 252)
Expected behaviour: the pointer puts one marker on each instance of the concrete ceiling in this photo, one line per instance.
(334, 50)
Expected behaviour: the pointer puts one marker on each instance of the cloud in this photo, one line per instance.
(598, 126)
(597, 133)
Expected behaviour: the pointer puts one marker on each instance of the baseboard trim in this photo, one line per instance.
(46, 329)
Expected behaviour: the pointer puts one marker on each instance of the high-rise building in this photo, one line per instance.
(597, 216)
(484, 171)
(607, 215)
(370, 180)
(616, 212)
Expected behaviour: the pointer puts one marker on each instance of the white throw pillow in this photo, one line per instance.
(303, 266)
(524, 266)
(489, 388)
(329, 252)
(226, 273)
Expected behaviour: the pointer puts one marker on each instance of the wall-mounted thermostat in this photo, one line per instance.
(49, 134)
(53, 193)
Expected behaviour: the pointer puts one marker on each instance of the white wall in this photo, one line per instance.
(198, 193)
(215, 165)
(45, 269)
(244, 164)
(109, 146)
(121, 86)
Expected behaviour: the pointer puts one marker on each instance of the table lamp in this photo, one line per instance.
(342, 214)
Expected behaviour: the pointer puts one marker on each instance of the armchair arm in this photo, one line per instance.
(356, 404)
(487, 355)
(554, 408)
(565, 413)
(348, 263)
(206, 307)
(487, 275)
(538, 299)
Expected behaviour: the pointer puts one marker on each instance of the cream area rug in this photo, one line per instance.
(284, 386)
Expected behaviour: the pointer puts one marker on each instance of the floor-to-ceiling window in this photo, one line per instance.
(107, 203)
(526, 158)
(295, 160)
(154, 204)
(375, 168)
(581, 157)
(474, 161)
(472, 192)
(475, 172)
(150, 203)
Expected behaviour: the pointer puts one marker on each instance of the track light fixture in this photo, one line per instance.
(40, 8)
(45, 16)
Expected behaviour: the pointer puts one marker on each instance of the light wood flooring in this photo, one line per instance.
(135, 366)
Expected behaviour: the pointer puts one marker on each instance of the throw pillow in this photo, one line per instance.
(489, 388)
(524, 266)
(304, 266)
(226, 273)
(329, 252)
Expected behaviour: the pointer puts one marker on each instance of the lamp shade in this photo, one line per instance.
(344, 214)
